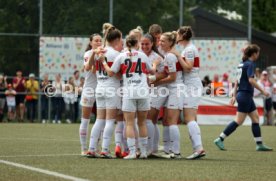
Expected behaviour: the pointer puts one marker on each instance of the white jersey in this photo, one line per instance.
(172, 65)
(162, 52)
(134, 67)
(103, 79)
(90, 78)
(190, 53)
(154, 56)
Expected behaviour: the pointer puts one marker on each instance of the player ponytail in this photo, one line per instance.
(249, 51)
(131, 42)
(186, 32)
(110, 33)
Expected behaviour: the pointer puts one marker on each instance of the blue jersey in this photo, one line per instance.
(245, 71)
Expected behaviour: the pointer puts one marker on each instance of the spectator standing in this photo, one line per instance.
(44, 86)
(10, 97)
(3, 86)
(206, 81)
(226, 84)
(19, 86)
(217, 85)
(265, 84)
(70, 100)
(32, 87)
(57, 99)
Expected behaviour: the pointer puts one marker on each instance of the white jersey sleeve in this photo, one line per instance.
(171, 62)
(189, 54)
(116, 66)
(86, 56)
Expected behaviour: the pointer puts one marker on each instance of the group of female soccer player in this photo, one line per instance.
(146, 60)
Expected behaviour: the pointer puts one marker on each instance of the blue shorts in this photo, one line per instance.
(246, 103)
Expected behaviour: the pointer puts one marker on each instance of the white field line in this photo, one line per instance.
(47, 155)
(47, 172)
(38, 139)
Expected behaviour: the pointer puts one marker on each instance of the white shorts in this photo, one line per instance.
(133, 105)
(109, 102)
(87, 101)
(193, 93)
(174, 100)
(158, 98)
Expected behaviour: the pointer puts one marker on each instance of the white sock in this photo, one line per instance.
(175, 138)
(222, 135)
(83, 131)
(131, 145)
(156, 138)
(195, 135)
(107, 134)
(125, 138)
(95, 134)
(119, 133)
(166, 139)
(143, 141)
(136, 131)
(151, 130)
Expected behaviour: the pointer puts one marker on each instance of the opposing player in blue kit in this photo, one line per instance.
(243, 93)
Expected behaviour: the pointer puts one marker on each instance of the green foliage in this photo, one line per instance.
(263, 12)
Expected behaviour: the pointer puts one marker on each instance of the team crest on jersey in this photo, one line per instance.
(190, 55)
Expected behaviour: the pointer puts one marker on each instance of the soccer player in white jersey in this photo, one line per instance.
(156, 31)
(134, 66)
(138, 33)
(147, 46)
(171, 135)
(107, 103)
(88, 98)
(193, 88)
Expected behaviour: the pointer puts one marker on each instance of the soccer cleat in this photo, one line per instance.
(84, 153)
(219, 143)
(92, 154)
(118, 153)
(125, 153)
(196, 155)
(143, 156)
(106, 155)
(163, 154)
(262, 147)
(130, 156)
(176, 156)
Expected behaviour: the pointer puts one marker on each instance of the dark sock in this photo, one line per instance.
(230, 128)
(256, 130)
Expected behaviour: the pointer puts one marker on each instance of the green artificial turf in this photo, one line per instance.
(56, 148)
